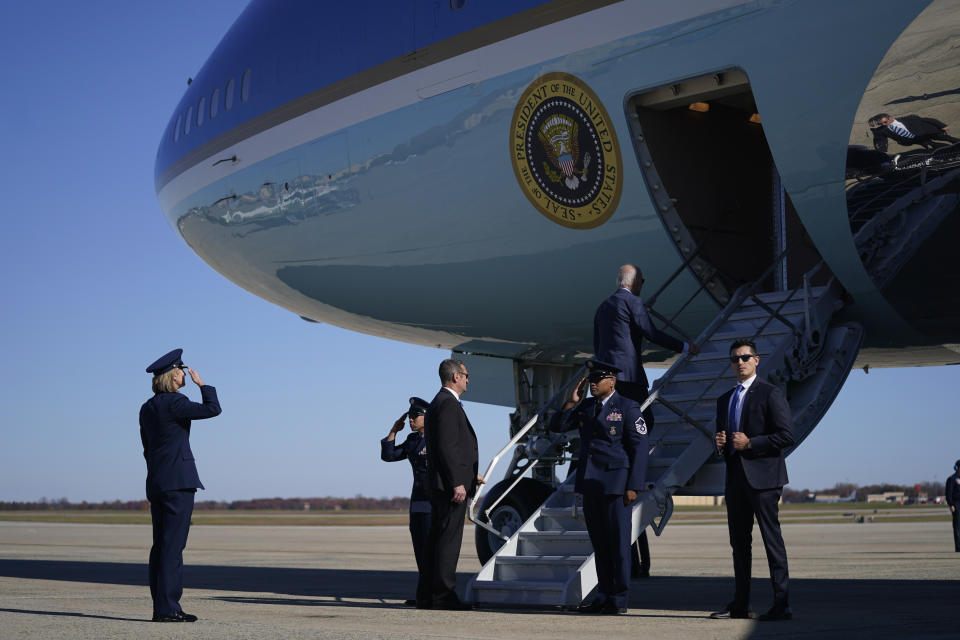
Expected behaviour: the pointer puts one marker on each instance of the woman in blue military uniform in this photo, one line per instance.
(172, 479)
(610, 475)
(414, 449)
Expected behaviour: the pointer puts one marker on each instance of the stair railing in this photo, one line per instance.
(472, 515)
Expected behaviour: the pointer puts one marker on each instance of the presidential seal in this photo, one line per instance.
(564, 152)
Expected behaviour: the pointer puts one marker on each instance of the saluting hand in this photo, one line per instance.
(398, 425)
(576, 393)
(195, 376)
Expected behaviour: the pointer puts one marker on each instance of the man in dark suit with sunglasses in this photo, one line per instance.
(753, 429)
(452, 461)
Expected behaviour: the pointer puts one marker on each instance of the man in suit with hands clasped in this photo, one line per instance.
(753, 429)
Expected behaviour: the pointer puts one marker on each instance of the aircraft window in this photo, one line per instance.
(214, 103)
(176, 129)
(456, 5)
(186, 124)
(201, 110)
(245, 86)
(229, 95)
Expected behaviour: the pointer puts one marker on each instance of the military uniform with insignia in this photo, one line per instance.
(610, 474)
(414, 449)
(172, 479)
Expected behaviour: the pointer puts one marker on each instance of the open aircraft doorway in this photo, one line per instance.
(707, 165)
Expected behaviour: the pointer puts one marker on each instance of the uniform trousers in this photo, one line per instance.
(608, 524)
(438, 579)
(743, 503)
(170, 512)
(420, 535)
(639, 393)
(956, 528)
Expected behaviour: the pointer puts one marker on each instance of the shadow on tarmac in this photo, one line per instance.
(852, 608)
(72, 614)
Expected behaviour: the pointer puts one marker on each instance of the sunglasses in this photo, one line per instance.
(742, 358)
(414, 415)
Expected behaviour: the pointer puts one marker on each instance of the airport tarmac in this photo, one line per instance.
(79, 581)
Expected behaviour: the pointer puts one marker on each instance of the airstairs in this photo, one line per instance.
(549, 560)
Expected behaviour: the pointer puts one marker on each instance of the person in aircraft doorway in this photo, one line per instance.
(414, 449)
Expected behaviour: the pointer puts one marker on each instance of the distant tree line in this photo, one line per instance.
(328, 503)
(843, 489)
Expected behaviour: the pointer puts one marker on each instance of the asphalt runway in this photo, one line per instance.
(871, 580)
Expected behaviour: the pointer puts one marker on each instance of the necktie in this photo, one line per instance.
(733, 424)
(901, 130)
(597, 409)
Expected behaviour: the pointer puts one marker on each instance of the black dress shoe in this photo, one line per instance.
(176, 616)
(610, 609)
(730, 613)
(423, 604)
(594, 607)
(410, 603)
(776, 613)
(455, 605)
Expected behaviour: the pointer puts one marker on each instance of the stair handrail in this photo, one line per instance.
(471, 508)
(743, 292)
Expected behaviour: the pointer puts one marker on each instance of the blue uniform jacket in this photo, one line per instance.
(414, 449)
(165, 434)
(613, 445)
(619, 327)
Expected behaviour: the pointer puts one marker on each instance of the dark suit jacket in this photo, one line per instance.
(952, 492)
(613, 445)
(619, 327)
(765, 419)
(453, 457)
(165, 434)
(922, 128)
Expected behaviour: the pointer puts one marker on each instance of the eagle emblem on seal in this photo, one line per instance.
(559, 137)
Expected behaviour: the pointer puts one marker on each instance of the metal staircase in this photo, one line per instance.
(549, 561)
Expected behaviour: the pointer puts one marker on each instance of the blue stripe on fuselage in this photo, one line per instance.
(293, 48)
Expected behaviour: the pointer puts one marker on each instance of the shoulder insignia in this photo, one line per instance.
(641, 426)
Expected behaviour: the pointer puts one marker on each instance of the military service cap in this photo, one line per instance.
(166, 362)
(600, 369)
(418, 407)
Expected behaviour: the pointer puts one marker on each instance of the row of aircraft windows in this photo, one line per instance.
(195, 116)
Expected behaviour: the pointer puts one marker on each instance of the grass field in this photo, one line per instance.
(806, 513)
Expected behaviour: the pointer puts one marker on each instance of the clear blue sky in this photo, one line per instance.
(96, 285)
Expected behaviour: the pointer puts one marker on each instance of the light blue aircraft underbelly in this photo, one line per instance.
(375, 181)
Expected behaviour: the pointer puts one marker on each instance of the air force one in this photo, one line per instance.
(469, 175)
